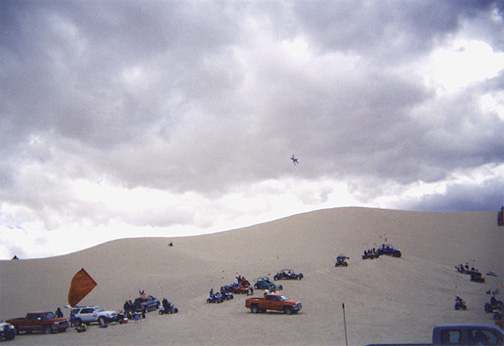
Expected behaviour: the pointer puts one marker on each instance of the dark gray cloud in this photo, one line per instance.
(197, 103)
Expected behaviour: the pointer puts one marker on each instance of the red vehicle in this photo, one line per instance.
(273, 301)
(44, 321)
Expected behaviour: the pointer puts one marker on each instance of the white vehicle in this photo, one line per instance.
(90, 314)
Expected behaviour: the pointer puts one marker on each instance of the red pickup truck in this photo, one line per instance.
(44, 321)
(273, 301)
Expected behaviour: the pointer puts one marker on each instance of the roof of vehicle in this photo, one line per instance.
(469, 325)
(39, 312)
(262, 278)
(86, 307)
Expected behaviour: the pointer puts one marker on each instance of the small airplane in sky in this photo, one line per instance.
(294, 160)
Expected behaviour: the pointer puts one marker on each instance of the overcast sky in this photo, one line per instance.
(169, 118)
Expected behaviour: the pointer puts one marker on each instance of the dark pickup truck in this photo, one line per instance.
(44, 321)
(462, 334)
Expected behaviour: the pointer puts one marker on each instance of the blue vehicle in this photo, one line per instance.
(389, 250)
(215, 298)
(287, 274)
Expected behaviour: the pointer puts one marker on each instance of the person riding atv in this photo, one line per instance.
(341, 261)
(494, 304)
(167, 308)
(460, 303)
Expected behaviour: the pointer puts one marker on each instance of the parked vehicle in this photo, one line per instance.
(93, 314)
(7, 331)
(477, 277)
(287, 274)
(146, 304)
(264, 283)
(462, 334)
(273, 301)
(389, 250)
(44, 321)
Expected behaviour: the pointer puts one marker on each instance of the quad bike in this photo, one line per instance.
(121, 318)
(460, 304)
(227, 295)
(341, 261)
(167, 308)
(494, 305)
(215, 298)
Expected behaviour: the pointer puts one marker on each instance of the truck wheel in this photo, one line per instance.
(287, 310)
(102, 321)
(10, 335)
(48, 330)
(254, 308)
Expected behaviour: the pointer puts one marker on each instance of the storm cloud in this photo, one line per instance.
(139, 118)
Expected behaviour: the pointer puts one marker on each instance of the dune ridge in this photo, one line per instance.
(386, 300)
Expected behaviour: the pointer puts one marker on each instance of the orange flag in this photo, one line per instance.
(82, 283)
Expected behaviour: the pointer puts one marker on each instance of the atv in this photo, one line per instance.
(341, 261)
(167, 308)
(460, 304)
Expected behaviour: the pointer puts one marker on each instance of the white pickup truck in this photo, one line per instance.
(90, 314)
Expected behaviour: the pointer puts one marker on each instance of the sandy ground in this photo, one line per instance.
(386, 300)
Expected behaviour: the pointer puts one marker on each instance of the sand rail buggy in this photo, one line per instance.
(264, 283)
(287, 274)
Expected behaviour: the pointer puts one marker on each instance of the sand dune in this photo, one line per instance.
(386, 300)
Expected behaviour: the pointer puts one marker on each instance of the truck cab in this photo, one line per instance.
(474, 334)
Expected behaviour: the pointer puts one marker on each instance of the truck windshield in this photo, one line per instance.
(283, 298)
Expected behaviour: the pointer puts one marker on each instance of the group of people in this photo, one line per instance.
(465, 269)
(384, 249)
(473, 272)
(370, 254)
(129, 306)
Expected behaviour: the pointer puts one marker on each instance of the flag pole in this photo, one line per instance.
(344, 323)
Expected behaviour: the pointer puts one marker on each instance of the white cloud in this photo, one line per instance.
(461, 63)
